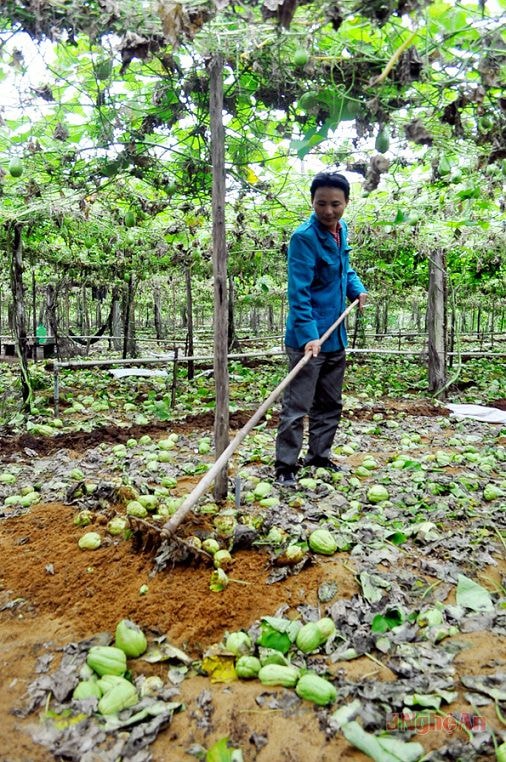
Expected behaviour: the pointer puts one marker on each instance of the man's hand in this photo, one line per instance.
(313, 347)
(362, 298)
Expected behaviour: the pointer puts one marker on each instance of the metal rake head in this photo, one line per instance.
(146, 537)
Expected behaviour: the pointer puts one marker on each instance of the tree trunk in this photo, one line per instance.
(115, 327)
(385, 316)
(98, 315)
(86, 324)
(10, 315)
(51, 293)
(174, 309)
(157, 310)
(221, 420)
(129, 347)
(437, 322)
(451, 338)
(66, 310)
(377, 318)
(233, 341)
(189, 324)
(34, 314)
(18, 296)
(84, 321)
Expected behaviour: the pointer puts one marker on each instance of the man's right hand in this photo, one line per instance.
(314, 347)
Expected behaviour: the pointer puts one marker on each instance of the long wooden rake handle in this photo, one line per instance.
(172, 524)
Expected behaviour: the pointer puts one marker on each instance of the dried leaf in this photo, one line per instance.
(327, 591)
(373, 586)
(164, 651)
(180, 21)
(491, 685)
(220, 668)
(473, 596)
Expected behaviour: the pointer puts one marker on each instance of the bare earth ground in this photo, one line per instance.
(77, 601)
(52, 594)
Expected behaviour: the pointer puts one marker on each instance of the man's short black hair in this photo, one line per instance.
(330, 180)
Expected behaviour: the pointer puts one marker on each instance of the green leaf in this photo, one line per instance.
(345, 713)
(248, 82)
(64, 719)
(468, 193)
(379, 624)
(384, 622)
(423, 699)
(381, 748)
(220, 752)
(278, 633)
(400, 217)
(413, 465)
(472, 596)
(398, 538)
(311, 139)
(277, 623)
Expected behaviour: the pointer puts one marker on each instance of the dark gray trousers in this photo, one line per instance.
(316, 391)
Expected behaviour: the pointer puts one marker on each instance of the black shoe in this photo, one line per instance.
(285, 477)
(324, 463)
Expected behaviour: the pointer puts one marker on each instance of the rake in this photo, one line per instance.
(147, 536)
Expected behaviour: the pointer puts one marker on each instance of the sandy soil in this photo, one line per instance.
(53, 594)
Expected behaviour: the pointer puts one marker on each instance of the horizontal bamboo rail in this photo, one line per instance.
(176, 359)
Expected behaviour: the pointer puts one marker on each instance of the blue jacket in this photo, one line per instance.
(319, 282)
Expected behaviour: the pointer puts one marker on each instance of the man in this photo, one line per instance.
(319, 282)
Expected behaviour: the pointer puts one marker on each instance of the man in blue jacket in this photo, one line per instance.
(320, 280)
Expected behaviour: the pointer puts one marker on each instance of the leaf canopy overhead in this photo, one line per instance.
(123, 118)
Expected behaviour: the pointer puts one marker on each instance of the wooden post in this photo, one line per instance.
(157, 310)
(233, 341)
(384, 317)
(189, 314)
(34, 316)
(221, 419)
(86, 325)
(56, 390)
(51, 297)
(437, 322)
(453, 320)
(18, 298)
(175, 366)
(116, 328)
(128, 329)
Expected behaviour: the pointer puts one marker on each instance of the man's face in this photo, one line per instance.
(329, 205)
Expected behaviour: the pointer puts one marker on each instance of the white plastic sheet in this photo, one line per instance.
(479, 413)
(150, 373)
